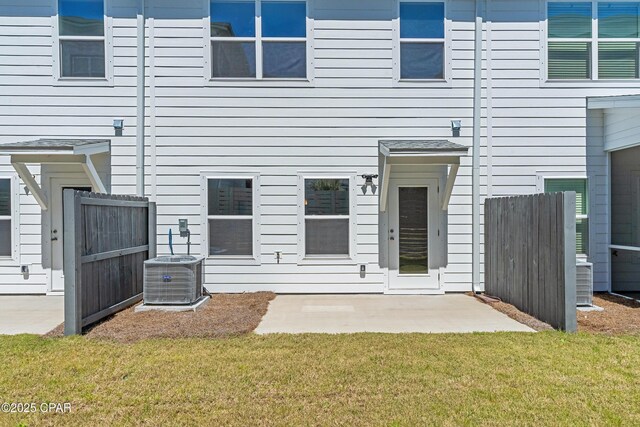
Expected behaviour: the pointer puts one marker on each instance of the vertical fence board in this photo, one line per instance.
(107, 238)
(530, 257)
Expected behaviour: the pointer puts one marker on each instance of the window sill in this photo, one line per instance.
(83, 81)
(572, 84)
(439, 83)
(327, 260)
(252, 82)
(231, 260)
(9, 261)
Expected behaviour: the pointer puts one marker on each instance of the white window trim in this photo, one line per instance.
(259, 80)
(349, 259)
(541, 177)
(204, 217)
(14, 259)
(594, 39)
(107, 80)
(397, 81)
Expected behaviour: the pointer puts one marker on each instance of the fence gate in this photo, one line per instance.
(530, 255)
(107, 238)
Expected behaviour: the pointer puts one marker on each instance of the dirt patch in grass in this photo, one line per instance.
(517, 315)
(223, 316)
(620, 316)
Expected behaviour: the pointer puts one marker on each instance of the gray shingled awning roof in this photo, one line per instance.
(54, 150)
(433, 146)
(426, 152)
(66, 146)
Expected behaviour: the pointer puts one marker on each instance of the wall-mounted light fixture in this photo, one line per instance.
(368, 182)
(456, 125)
(118, 126)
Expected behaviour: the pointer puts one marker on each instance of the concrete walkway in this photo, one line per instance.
(383, 313)
(30, 314)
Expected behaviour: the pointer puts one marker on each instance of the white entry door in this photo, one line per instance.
(57, 231)
(413, 235)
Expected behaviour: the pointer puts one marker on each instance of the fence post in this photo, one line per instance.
(570, 302)
(153, 230)
(71, 253)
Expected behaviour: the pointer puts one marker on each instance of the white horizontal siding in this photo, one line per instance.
(277, 129)
(32, 105)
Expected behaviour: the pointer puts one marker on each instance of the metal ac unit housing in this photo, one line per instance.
(584, 283)
(173, 280)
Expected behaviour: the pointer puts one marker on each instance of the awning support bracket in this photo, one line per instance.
(384, 191)
(451, 179)
(92, 173)
(32, 185)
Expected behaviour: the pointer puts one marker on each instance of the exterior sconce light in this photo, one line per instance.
(118, 126)
(456, 125)
(368, 182)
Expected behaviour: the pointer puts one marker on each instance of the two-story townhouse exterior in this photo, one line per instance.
(320, 145)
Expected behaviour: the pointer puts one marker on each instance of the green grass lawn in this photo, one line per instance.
(366, 379)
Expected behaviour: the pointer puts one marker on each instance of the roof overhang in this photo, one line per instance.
(605, 102)
(60, 151)
(420, 152)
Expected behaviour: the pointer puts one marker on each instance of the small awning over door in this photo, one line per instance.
(55, 151)
(420, 152)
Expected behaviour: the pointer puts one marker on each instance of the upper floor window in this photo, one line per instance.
(422, 40)
(593, 40)
(81, 37)
(261, 39)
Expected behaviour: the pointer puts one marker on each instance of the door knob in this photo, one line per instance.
(392, 238)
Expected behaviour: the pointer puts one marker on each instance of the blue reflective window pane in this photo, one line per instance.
(81, 17)
(233, 59)
(284, 19)
(233, 19)
(619, 20)
(284, 59)
(569, 20)
(422, 20)
(421, 61)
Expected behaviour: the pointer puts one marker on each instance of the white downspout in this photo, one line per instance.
(475, 176)
(140, 102)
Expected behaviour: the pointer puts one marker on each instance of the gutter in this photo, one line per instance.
(140, 101)
(475, 180)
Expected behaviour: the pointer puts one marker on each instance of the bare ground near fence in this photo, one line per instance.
(224, 316)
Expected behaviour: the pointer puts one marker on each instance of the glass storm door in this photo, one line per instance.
(412, 242)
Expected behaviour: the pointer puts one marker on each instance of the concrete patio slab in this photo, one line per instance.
(30, 314)
(456, 313)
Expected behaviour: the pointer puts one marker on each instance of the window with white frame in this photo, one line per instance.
(81, 38)
(231, 216)
(579, 185)
(596, 40)
(6, 227)
(258, 39)
(422, 40)
(327, 217)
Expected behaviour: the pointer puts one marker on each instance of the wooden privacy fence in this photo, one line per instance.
(107, 238)
(530, 255)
